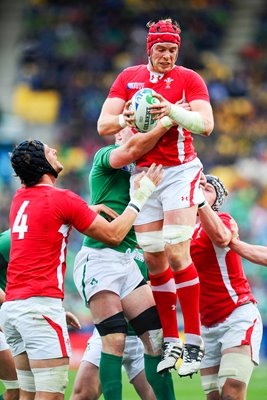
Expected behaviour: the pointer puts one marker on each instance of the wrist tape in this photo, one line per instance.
(190, 120)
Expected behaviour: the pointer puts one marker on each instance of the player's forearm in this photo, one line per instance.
(218, 233)
(108, 125)
(253, 253)
(193, 121)
(142, 143)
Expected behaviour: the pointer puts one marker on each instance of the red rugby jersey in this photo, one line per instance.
(41, 218)
(223, 284)
(176, 146)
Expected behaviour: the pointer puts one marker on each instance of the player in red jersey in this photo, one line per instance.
(41, 217)
(166, 224)
(231, 325)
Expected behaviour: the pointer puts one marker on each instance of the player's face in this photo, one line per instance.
(123, 135)
(163, 57)
(51, 156)
(209, 193)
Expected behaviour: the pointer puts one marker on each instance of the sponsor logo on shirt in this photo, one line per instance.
(135, 85)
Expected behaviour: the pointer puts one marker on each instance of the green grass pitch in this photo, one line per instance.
(188, 389)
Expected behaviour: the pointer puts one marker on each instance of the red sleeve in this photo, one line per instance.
(226, 218)
(196, 87)
(78, 212)
(118, 88)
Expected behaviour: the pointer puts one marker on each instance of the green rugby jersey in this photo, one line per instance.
(111, 187)
(4, 256)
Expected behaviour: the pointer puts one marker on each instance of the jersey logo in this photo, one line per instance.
(168, 82)
(184, 198)
(94, 282)
(154, 78)
(135, 85)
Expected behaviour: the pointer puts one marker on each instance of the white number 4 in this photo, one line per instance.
(20, 226)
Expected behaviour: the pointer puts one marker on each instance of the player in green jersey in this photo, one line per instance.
(108, 278)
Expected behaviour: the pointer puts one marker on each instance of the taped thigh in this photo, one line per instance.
(209, 383)
(235, 366)
(26, 380)
(53, 380)
(114, 324)
(152, 242)
(173, 234)
(10, 384)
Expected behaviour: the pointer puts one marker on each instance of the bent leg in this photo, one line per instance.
(87, 383)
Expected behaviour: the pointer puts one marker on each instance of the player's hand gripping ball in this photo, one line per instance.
(141, 101)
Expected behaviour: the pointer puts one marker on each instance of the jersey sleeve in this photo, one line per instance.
(80, 216)
(226, 219)
(196, 87)
(101, 158)
(118, 88)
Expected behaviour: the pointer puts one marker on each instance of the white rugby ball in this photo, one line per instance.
(141, 101)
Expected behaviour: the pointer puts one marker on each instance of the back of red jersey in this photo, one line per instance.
(223, 284)
(41, 218)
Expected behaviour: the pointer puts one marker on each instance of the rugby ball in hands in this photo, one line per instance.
(141, 101)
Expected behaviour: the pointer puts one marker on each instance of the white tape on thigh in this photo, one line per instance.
(10, 384)
(152, 242)
(209, 383)
(26, 380)
(173, 234)
(53, 380)
(235, 366)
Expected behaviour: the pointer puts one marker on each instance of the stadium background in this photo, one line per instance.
(58, 59)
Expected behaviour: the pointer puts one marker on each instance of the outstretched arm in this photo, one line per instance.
(112, 233)
(254, 253)
(138, 145)
(212, 224)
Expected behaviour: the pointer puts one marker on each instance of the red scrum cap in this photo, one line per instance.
(163, 31)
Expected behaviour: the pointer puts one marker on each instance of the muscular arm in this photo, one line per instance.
(212, 224)
(254, 253)
(108, 121)
(136, 146)
(112, 233)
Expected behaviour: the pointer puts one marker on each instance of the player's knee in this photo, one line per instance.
(151, 242)
(11, 394)
(148, 321)
(210, 383)
(235, 371)
(114, 324)
(53, 380)
(174, 234)
(26, 380)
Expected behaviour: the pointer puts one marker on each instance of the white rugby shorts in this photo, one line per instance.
(105, 269)
(178, 189)
(36, 325)
(133, 357)
(244, 323)
(3, 342)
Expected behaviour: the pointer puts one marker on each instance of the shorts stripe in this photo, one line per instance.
(247, 340)
(59, 332)
(192, 188)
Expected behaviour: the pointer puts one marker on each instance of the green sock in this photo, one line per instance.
(161, 384)
(110, 376)
(1, 397)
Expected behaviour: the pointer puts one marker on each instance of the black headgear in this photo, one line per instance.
(29, 162)
(220, 190)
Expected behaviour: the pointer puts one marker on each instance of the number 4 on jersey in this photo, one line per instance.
(20, 224)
